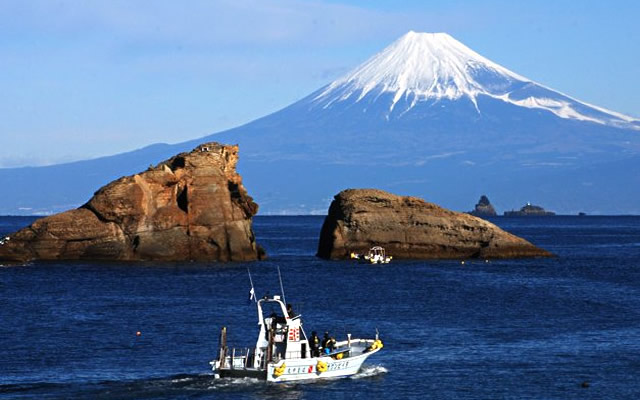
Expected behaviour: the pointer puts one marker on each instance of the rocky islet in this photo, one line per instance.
(411, 228)
(483, 208)
(192, 206)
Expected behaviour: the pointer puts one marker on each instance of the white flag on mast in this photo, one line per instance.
(252, 292)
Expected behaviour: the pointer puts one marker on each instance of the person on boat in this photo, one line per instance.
(276, 319)
(331, 345)
(314, 344)
(325, 342)
(290, 311)
(273, 316)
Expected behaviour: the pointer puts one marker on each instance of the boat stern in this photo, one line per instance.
(215, 367)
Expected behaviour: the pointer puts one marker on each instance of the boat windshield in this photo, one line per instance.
(271, 309)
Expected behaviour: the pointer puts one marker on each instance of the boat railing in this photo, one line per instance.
(293, 354)
(287, 356)
(239, 359)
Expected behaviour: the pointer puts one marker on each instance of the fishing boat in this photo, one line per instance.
(283, 353)
(376, 255)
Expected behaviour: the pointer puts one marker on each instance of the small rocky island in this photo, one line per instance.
(190, 207)
(529, 210)
(411, 228)
(483, 208)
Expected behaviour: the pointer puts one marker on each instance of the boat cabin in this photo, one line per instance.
(281, 335)
(377, 255)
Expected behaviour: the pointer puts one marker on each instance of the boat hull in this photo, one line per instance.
(243, 373)
(305, 369)
(300, 369)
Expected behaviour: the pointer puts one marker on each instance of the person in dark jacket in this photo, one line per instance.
(331, 344)
(314, 344)
(325, 341)
(290, 311)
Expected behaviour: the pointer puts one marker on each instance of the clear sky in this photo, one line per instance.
(80, 79)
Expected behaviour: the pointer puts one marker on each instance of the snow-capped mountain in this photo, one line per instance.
(428, 67)
(427, 116)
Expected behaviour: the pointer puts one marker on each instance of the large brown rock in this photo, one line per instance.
(190, 207)
(410, 228)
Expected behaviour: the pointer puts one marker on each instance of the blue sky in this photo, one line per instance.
(81, 79)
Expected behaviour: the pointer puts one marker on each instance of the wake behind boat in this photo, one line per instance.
(284, 353)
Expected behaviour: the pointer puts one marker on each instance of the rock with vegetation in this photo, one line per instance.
(190, 207)
(411, 228)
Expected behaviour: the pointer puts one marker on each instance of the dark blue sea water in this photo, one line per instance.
(514, 329)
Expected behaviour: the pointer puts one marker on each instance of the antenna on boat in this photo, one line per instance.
(252, 293)
(284, 299)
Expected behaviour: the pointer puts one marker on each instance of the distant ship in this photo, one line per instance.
(529, 210)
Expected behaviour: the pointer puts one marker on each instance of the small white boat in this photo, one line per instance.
(282, 352)
(377, 255)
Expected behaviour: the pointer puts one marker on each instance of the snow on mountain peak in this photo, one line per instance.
(425, 65)
(434, 66)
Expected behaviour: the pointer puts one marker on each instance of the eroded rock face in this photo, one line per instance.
(410, 228)
(190, 207)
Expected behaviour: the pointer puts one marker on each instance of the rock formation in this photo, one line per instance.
(529, 210)
(483, 208)
(190, 207)
(410, 228)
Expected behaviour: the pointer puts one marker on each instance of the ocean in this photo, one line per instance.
(560, 328)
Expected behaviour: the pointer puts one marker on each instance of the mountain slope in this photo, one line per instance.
(423, 67)
(426, 116)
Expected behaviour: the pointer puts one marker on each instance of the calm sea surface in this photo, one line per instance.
(515, 329)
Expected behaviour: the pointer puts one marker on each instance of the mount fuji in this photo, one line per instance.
(424, 68)
(426, 116)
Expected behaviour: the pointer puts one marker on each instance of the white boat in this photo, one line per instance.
(282, 352)
(377, 255)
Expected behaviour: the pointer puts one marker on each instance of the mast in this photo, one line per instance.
(284, 299)
(222, 351)
(252, 291)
